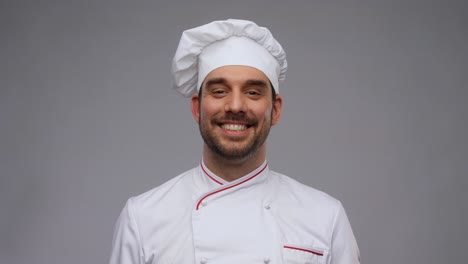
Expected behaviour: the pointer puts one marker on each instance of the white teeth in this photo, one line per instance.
(234, 127)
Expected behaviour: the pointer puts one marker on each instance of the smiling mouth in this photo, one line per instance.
(234, 127)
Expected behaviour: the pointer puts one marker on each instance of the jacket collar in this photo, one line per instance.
(212, 185)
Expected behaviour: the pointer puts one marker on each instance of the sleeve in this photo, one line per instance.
(126, 243)
(344, 247)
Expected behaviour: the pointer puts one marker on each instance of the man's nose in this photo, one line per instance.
(236, 103)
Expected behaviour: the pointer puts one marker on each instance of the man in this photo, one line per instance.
(232, 208)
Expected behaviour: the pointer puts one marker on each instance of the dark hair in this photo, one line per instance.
(273, 93)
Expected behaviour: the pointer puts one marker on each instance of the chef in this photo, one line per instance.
(232, 208)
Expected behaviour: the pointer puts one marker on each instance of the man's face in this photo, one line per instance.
(235, 111)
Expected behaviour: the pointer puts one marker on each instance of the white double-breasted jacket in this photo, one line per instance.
(263, 217)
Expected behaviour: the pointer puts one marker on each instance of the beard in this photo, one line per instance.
(235, 150)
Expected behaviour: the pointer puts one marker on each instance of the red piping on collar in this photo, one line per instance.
(306, 250)
(229, 187)
(209, 176)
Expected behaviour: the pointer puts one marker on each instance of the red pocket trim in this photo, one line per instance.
(305, 250)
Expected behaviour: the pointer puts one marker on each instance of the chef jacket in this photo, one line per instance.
(263, 217)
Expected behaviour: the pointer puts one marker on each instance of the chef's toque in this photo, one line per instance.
(221, 43)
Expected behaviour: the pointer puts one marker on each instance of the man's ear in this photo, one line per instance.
(195, 105)
(277, 110)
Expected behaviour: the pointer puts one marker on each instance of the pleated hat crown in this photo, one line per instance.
(227, 42)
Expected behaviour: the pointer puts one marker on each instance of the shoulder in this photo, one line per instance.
(173, 189)
(304, 195)
(312, 206)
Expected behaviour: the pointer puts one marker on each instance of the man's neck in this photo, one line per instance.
(230, 170)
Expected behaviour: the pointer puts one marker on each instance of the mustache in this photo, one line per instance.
(238, 117)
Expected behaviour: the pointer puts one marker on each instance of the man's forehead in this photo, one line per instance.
(235, 73)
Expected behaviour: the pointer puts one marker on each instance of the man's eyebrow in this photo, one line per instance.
(215, 81)
(260, 83)
(250, 82)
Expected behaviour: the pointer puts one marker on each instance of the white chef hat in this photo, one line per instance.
(221, 43)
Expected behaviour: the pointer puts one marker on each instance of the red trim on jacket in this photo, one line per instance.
(305, 250)
(209, 176)
(229, 187)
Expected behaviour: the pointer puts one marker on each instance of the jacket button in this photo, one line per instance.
(204, 203)
(267, 207)
(203, 261)
(266, 260)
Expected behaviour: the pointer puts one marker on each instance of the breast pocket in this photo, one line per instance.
(298, 254)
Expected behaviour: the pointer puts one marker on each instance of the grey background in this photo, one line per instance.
(375, 114)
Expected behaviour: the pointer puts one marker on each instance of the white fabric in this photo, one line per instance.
(263, 217)
(211, 43)
(237, 51)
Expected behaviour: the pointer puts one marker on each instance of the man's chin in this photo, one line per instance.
(234, 154)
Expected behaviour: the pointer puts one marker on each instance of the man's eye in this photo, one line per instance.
(253, 93)
(219, 91)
